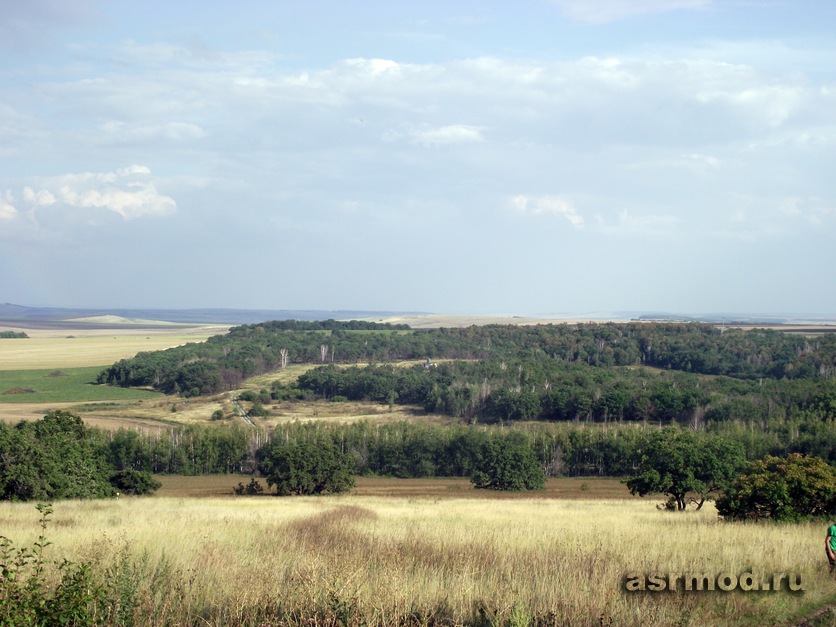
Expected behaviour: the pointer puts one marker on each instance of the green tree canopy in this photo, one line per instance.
(508, 463)
(680, 462)
(783, 489)
(307, 467)
(56, 457)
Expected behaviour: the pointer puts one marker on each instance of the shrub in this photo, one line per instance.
(135, 482)
(258, 410)
(28, 598)
(251, 489)
(508, 463)
(307, 467)
(789, 489)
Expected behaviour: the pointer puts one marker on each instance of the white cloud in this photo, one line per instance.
(375, 67)
(548, 205)
(602, 11)
(646, 223)
(7, 210)
(129, 192)
(451, 134)
(812, 210)
(42, 198)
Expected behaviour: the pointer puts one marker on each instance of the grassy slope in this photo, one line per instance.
(64, 385)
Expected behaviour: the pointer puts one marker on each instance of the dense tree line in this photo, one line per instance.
(190, 450)
(224, 361)
(492, 391)
(405, 449)
(58, 457)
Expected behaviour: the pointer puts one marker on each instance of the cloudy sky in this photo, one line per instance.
(479, 157)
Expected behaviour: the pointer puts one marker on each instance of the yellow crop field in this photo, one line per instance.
(360, 559)
(76, 349)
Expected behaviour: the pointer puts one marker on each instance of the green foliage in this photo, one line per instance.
(223, 362)
(7, 335)
(218, 414)
(258, 410)
(190, 450)
(508, 463)
(253, 488)
(312, 466)
(56, 457)
(135, 482)
(679, 462)
(782, 489)
(28, 595)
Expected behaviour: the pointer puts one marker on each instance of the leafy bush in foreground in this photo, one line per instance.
(27, 598)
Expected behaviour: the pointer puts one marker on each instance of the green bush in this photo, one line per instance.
(789, 489)
(56, 457)
(253, 488)
(258, 410)
(307, 467)
(509, 463)
(27, 596)
(136, 482)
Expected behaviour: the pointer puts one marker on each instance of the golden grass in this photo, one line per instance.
(387, 558)
(86, 348)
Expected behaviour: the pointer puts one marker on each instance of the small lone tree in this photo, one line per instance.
(508, 463)
(783, 489)
(307, 467)
(685, 464)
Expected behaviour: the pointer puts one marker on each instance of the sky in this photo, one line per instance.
(533, 157)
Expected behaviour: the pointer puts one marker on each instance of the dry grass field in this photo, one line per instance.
(74, 348)
(381, 558)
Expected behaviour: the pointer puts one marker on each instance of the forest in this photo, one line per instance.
(224, 361)
(773, 391)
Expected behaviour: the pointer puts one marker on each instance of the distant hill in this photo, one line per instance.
(47, 316)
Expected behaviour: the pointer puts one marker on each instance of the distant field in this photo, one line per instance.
(55, 368)
(76, 349)
(62, 385)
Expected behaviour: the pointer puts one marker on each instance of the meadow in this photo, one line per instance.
(410, 551)
(428, 558)
(62, 385)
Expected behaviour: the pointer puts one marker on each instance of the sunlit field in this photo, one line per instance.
(361, 559)
(72, 348)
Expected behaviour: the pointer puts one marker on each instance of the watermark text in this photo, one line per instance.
(707, 582)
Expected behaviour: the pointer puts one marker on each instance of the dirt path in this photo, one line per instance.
(241, 413)
(822, 617)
